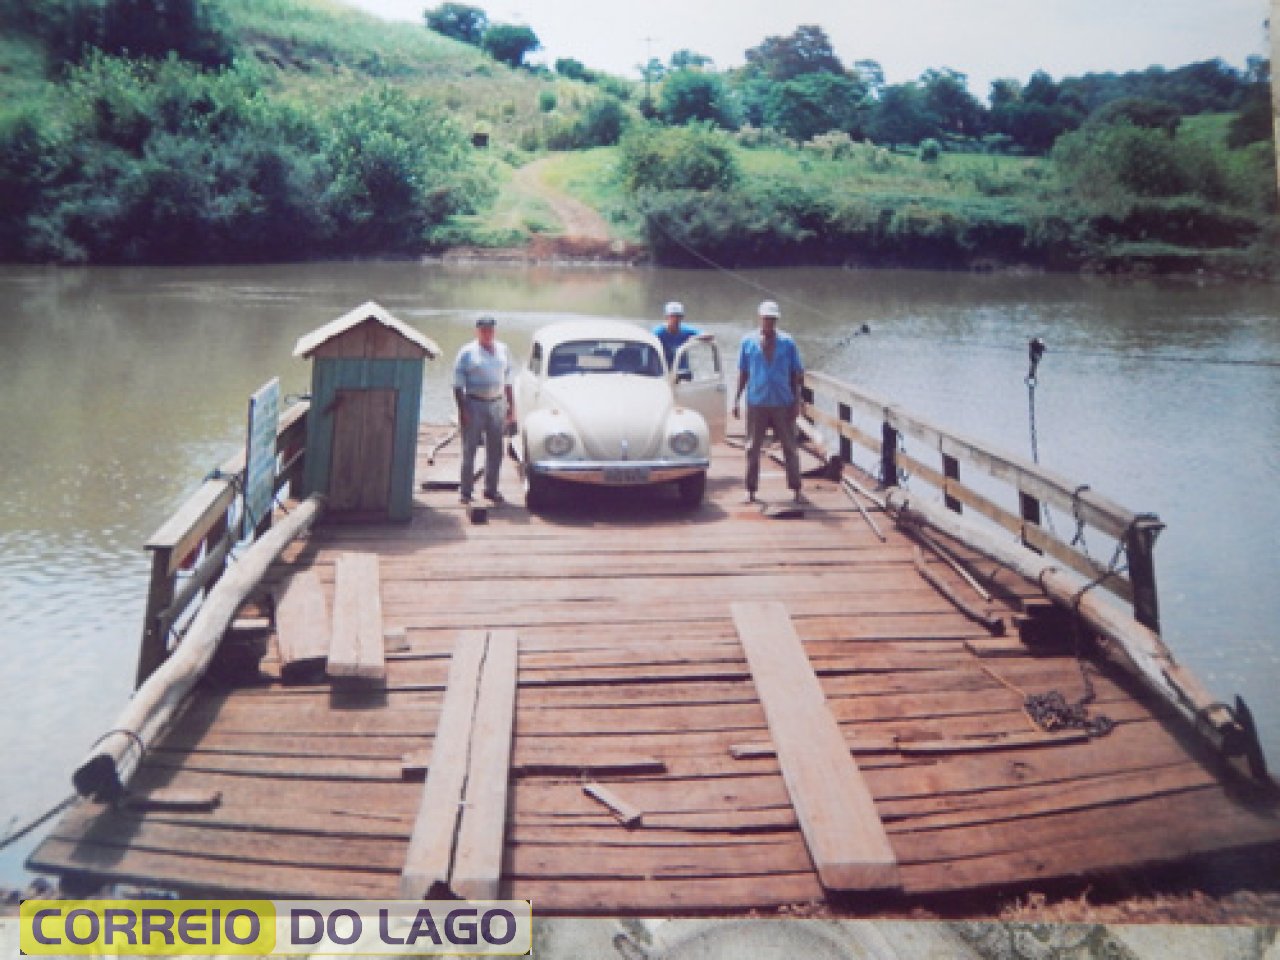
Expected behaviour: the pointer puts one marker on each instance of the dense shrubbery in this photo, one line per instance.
(694, 157)
(159, 162)
(71, 29)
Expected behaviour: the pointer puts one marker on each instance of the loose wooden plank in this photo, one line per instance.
(357, 649)
(477, 865)
(628, 814)
(303, 628)
(431, 847)
(848, 842)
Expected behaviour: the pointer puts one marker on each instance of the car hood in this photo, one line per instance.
(617, 416)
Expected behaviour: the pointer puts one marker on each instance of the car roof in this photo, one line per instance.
(568, 330)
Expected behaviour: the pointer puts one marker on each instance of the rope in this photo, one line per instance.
(22, 831)
(734, 275)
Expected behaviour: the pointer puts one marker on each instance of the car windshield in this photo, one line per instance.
(605, 356)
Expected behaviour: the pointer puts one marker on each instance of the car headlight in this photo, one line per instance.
(558, 444)
(684, 443)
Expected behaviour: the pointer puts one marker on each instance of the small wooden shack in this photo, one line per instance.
(362, 433)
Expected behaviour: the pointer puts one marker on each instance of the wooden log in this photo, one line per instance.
(105, 773)
(477, 865)
(1152, 661)
(356, 651)
(846, 838)
(430, 858)
(303, 628)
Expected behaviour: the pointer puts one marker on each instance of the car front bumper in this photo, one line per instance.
(619, 473)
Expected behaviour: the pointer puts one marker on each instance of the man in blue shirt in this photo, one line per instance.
(770, 371)
(675, 333)
(482, 379)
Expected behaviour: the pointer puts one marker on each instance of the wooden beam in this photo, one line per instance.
(429, 862)
(106, 772)
(837, 815)
(477, 866)
(303, 628)
(357, 650)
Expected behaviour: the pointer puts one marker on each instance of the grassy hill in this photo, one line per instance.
(334, 133)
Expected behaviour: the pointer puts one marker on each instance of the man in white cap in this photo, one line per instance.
(674, 333)
(482, 378)
(770, 371)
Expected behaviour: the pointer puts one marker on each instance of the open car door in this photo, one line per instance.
(699, 384)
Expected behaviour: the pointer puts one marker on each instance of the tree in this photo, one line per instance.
(572, 69)
(813, 104)
(901, 115)
(687, 59)
(459, 21)
(1141, 112)
(510, 44)
(871, 74)
(947, 97)
(691, 95)
(807, 50)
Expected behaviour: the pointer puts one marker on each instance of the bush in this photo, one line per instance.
(930, 150)
(695, 157)
(158, 162)
(546, 100)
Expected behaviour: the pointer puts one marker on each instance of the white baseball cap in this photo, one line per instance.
(674, 308)
(769, 309)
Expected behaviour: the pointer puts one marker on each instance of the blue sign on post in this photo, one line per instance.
(260, 457)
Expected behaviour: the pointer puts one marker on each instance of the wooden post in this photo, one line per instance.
(951, 470)
(888, 455)
(1140, 544)
(1029, 508)
(155, 628)
(845, 413)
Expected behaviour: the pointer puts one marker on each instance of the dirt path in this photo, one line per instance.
(579, 222)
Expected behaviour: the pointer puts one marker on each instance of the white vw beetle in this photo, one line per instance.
(598, 405)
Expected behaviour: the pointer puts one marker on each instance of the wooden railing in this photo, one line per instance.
(189, 552)
(902, 443)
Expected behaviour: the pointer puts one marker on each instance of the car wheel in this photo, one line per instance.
(535, 490)
(691, 489)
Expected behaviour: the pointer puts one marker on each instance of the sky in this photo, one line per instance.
(984, 39)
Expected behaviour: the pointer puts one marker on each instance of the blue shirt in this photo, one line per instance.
(671, 342)
(770, 383)
(481, 373)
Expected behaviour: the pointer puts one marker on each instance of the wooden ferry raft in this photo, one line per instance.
(620, 706)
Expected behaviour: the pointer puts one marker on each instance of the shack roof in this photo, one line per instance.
(366, 312)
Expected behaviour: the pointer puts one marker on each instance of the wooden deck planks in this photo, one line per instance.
(846, 839)
(357, 648)
(628, 647)
(429, 860)
(303, 628)
(477, 866)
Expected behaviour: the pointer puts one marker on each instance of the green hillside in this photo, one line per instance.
(287, 129)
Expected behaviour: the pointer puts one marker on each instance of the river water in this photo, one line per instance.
(122, 388)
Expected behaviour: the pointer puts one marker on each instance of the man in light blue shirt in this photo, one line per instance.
(482, 378)
(770, 371)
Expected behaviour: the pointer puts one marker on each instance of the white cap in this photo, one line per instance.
(675, 307)
(769, 309)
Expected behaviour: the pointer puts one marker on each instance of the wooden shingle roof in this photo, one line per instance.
(366, 312)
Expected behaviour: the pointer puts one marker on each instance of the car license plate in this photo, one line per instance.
(626, 474)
